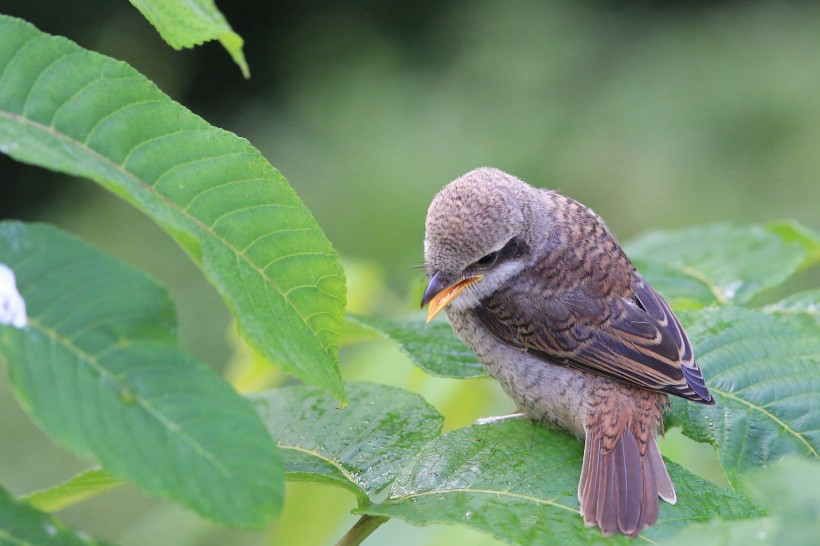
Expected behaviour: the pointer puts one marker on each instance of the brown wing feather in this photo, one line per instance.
(636, 339)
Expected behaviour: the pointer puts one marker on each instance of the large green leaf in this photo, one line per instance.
(788, 490)
(361, 447)
(22, 525)
(734, 263)
(764, 371)
(518, 482)
(75, 111)
(432, 347)
(99, 371)
(188, 23)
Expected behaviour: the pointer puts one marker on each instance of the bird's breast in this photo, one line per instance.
(550, 393)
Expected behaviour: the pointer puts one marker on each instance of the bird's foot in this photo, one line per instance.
(498, 418)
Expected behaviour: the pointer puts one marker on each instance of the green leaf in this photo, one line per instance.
(97, 370)
(190, 23)
(807, 303)
(735, 263)
(763, 372)
(802, 307)
(518, 482)
(22, 525)
(361, 447)
(82, 486)
(432, 347)
(788, 490)
(75, 111)
(794, 232)
(680, 289)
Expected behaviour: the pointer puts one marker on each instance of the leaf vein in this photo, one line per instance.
(295, 255)
(770, 415)
(145, 404)
(102, 120)
(347, 474)
(194, 220)
(264, 236)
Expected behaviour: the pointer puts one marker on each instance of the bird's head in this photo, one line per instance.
(478, 236)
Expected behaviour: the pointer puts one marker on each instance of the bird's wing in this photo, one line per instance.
(637, 340)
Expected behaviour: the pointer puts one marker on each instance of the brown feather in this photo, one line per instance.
(630, 484)
(620, 488)
(584, 304)
(621, 340)
(666, 490)
(622, 474)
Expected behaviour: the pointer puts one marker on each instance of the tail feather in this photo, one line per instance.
(588, 485)
(666, 489)
(619, 488)
(650, 497)
(630, 485)
(607, 517)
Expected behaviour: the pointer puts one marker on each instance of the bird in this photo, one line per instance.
(537, 286)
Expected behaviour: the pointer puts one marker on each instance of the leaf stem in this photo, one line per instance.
(361, 530)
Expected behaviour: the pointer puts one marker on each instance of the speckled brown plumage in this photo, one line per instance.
(558, 314)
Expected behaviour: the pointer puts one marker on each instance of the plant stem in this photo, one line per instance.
(361, 530)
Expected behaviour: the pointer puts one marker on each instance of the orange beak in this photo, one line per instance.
(440, 292)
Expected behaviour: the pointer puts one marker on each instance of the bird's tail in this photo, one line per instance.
(619, 487)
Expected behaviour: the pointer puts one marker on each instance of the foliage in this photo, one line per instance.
(788, 490)
(80, 487)
(22, 525)
(99, 370)
(191, 23)
(98, 367)
(84, 114)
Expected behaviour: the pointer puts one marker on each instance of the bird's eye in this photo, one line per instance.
(488, 260)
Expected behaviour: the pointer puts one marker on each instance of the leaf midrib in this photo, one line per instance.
(172, 204)
(705, 280)
(499, 493)
(771, 416)
(161, 418)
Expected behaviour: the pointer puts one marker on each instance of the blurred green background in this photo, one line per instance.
(655, 114)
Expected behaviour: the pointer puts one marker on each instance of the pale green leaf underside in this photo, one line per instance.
(23, 525)
(763, 371)
(788, 490)
(801, 303)
(188, 23)
(362, 446)
(98, 369)
(518, 481)
(802, 308)
(733, 263)
(679, 287)
(793, 232)
(82, 486)
(432, 347)
(78, 112)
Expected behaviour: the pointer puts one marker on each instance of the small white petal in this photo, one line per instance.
(12, 304)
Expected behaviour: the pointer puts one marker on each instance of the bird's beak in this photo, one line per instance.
(441, 291)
